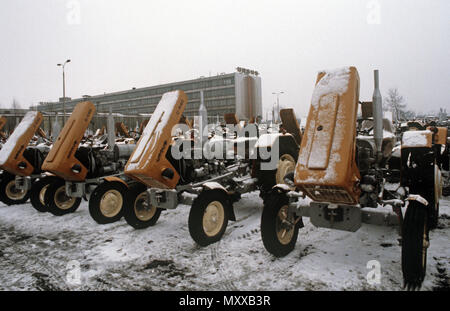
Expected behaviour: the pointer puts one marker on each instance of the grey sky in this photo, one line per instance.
(122, 44)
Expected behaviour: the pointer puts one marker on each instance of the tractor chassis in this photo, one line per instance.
(25, 182)
(345, 217)
(170, 198)
(85, 188)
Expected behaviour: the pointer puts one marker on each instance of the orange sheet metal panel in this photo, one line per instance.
(440, 138)
(326, 169)
(61, 157)
(2, 122)
(290, 124)
(231, 118)
(148, 159)
(12, 152)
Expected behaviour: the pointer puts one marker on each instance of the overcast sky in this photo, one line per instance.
(117, 45)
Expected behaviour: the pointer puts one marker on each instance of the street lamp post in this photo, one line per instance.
(64, 90)
(278, 103)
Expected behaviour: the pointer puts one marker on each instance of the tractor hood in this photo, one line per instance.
(61, 159)
(148, 163)
(11, 155)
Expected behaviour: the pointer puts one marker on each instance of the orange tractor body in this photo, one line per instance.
(326, 169)
(61, 159)
(11, 155)
(148, 161)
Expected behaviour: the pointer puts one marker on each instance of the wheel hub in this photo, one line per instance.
(13, 193)
(42, 195)
(213, 218)
(143, 211)
(284, 228)
(111, 203)
(63, 201)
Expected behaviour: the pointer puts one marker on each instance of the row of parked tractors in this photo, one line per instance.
(340, 162)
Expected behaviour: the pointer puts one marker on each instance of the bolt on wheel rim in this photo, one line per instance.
(285, 165)
(111, 203)
(213, 218)
(13, 193)
(42, 195)
(63, 201)
(141, 209)
(285, 231)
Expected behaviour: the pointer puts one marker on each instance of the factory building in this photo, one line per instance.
(238, 92)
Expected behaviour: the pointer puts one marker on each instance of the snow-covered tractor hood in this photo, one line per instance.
(61, 159)
(148, 163)
(11, 154)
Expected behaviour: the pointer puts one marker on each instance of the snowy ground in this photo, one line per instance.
(42, 252)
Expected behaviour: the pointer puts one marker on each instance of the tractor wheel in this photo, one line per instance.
(9, 194)
(137, 213)
(415, 242)
(287, 159)
(56, 200)
(106, 202)
(435, 194)
(208, 217)
(37, 194)
(279, 230)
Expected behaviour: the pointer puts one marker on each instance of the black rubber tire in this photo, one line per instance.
(272, 205)
(129, 213)
(36, 190)
(267, 178)
(96, 198)
(52, 207)
(434, 217)
(196, 214)
(413, 261)
(433, 204)
(5, 179)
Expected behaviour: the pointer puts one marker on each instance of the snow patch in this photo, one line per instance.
(333, 82)
(157, 122)
(21, 128)
(415, 138)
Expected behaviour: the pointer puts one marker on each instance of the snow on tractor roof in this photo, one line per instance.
(157, 123)
(334, 82)
(416, 139)
(21, 128)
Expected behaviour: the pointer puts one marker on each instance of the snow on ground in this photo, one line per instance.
(37, 252)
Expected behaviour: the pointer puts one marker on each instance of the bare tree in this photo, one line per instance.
(396, 103)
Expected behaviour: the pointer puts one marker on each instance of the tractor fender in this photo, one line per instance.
(212, 185)
(418, 198)
(282, 187)
(114, 178)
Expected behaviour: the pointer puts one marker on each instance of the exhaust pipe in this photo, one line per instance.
(203, 118)
(377, 108)
(111, 130)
